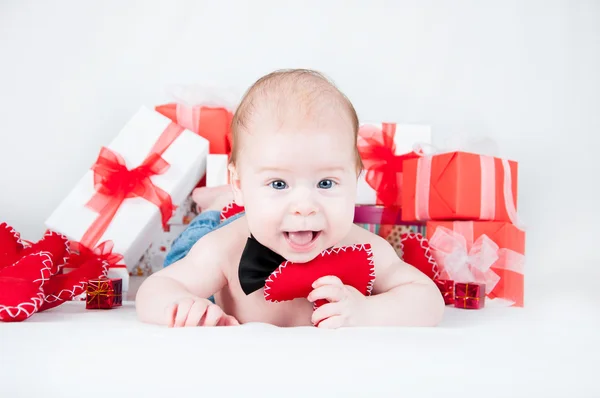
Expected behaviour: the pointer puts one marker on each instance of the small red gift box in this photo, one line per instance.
(447, 289)
(469, 295)
(459, 186)
(103, 293)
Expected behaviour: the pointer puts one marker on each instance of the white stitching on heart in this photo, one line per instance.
(16, 235)
(34, 302)
(47, 263)
(77, 289)
(225, 210)
(367, 248)
(65, 258)
(421, 239)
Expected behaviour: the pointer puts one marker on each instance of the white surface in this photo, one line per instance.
(523, 71)
(549, 350)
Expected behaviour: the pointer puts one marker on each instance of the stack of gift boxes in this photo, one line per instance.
(137, 194)
(456, 208)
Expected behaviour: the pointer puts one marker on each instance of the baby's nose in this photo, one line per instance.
(304, 209)
(304, 205)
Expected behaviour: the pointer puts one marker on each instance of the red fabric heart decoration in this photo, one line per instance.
(54, 243)
(416, 252)
(231, 210)
(10, 245)
(87, 264)
(352, 264)
(21, 286)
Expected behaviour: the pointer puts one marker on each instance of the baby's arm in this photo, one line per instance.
(402, 295)
(176, 295)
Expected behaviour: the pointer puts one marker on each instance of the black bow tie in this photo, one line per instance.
(256, 264)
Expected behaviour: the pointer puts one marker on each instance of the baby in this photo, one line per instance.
(294, 169)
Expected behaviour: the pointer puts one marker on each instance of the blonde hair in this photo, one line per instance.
(307, 89)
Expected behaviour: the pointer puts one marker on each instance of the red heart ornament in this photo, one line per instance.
(231, 210)
(54, 243)
(10, 245)
(352, 264)
(61, 288)
(416, 252)
(21, 286)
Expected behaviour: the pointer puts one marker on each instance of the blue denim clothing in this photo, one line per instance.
(204, 223)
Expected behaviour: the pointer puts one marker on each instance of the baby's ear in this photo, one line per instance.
(234, 179)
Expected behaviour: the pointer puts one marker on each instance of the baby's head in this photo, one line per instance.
(295, 163)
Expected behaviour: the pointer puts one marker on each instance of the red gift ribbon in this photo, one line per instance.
(103, 251)
(378, 153)
(464, 259)
(114, 183)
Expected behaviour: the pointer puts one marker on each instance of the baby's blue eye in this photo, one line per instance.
(278, 184)
(326, 184)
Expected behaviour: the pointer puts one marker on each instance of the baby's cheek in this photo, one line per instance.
(340, 213)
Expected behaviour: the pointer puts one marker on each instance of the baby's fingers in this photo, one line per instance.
(327, 292)
(325, 311)
(183, 309)
(170, 313)
(213, 315)
(195, 315)
(333, 322)
(228, 320)
(327, 280)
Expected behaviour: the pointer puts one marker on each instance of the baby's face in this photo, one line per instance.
(298, 186)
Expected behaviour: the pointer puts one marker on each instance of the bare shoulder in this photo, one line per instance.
(227, 239)
(383, 253)
(226, 243)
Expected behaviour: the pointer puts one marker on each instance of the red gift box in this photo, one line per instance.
(487, 252)
(459, 186)
(104, 293)
(470, 296)
(447, 289)
(212, 123)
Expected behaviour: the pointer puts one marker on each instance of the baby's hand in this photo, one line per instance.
(346, 304)
(195, 311)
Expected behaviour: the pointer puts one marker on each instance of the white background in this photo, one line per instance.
(523, 72)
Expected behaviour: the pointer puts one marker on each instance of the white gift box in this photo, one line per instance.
(406, 136)
(137, 222)
(216, 170)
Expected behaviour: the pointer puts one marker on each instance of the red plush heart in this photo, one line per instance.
(88, 265)
(231, 210)
(21, 286)
(10, 245)
(416, 252)
(352, 264)
(54, 243)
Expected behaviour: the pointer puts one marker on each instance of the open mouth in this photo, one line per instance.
(301, 240)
